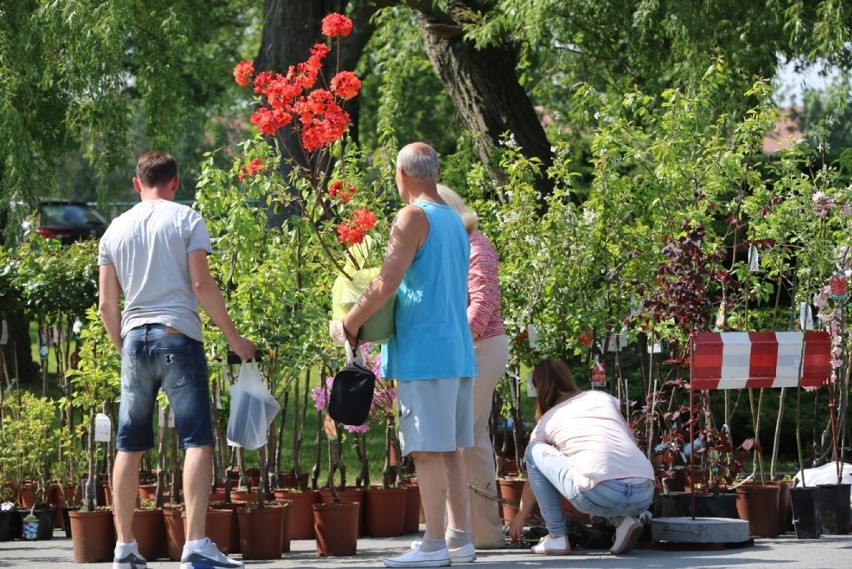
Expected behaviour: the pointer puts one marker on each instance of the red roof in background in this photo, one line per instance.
(785, 133)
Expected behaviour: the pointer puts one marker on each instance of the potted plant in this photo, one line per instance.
(95, 382)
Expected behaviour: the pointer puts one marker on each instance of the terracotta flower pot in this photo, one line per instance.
(234, 541)
(337, 528)
(92, 536)
(510, 490)
(348, 495)
(759, 506)
(261, 530)
(218, 527)
(301, 514)
(385, 511)
(149, 529)
(175, 533)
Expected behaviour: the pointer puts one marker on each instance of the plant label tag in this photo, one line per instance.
(616, 342)
(103, 428)
(532, 332)
(530, 386)
(166, 418)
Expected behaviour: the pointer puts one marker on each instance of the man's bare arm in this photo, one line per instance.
(109, 292)
(409, 232)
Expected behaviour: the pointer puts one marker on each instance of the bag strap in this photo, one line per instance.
(352, 351)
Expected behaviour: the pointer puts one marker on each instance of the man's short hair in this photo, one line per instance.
(156, 168)
(419, 161)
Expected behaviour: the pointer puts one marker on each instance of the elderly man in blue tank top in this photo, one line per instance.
(431, 355)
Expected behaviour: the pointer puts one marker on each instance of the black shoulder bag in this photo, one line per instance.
(352, 391)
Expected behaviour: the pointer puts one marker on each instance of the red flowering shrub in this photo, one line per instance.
(295, 99)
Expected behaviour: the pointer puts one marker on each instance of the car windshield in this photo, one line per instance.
(70, 215)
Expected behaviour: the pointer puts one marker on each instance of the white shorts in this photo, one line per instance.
(435, 415)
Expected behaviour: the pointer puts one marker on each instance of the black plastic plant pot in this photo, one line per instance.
(806, 518)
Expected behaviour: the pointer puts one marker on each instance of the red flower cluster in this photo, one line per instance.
(321, 119)
(345, 85)
(338, 190)
(256, 166)
(352, 232)
(243, 72)
(335, 25)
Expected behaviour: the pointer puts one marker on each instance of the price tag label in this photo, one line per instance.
(103, 428)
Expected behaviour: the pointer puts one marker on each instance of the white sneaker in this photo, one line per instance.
(627, 533)
(417, 558)
(552, 546)
(131, 560)
(208, 558)
(464, 554)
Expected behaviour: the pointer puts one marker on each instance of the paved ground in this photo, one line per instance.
(785, 552)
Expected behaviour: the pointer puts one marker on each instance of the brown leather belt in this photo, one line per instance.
(170, 330)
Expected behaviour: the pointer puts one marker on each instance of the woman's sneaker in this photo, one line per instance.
(552, 546)
(209, 557)
(627, 534)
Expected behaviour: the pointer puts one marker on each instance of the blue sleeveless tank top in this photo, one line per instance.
(432, 338)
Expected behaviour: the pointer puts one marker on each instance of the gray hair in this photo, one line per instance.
(452, 199)
(419, 161)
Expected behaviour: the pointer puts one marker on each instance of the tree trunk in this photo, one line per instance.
(484, 88)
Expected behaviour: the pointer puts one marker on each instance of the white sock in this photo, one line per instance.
(456, 538)
(122, 548)
(429, 545)
(197, 544)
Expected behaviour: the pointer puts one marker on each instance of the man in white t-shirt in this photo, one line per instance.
(155, 256)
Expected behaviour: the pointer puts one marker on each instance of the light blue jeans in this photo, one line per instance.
(551, 475)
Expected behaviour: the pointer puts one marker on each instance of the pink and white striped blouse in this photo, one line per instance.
(484, 314)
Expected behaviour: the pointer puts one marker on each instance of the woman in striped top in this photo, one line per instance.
(485, 317)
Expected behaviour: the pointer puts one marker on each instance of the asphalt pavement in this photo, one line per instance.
(784, 552)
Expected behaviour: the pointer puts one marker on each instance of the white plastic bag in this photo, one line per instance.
(253, 409)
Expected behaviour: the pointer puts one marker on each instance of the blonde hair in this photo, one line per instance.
(468, 217)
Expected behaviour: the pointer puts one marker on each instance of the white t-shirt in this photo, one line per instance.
(589, 430)
(148, 245)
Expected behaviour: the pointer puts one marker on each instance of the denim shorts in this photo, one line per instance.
(154, 356)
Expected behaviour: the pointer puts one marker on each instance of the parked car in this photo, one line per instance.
(67, 221)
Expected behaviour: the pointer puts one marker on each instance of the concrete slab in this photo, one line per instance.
(699, 530)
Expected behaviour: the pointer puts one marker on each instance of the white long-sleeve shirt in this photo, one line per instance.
(589, 430)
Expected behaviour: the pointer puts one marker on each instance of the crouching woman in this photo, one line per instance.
(582, 449)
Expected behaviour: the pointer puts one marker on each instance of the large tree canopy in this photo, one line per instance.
(109, 79)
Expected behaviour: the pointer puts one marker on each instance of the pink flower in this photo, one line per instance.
(822, 204)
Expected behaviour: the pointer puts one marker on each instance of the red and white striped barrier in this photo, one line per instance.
(736, 360)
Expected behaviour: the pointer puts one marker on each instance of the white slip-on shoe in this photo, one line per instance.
(417, 558)
(627, 533)
(464, 554)
(552, 546)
